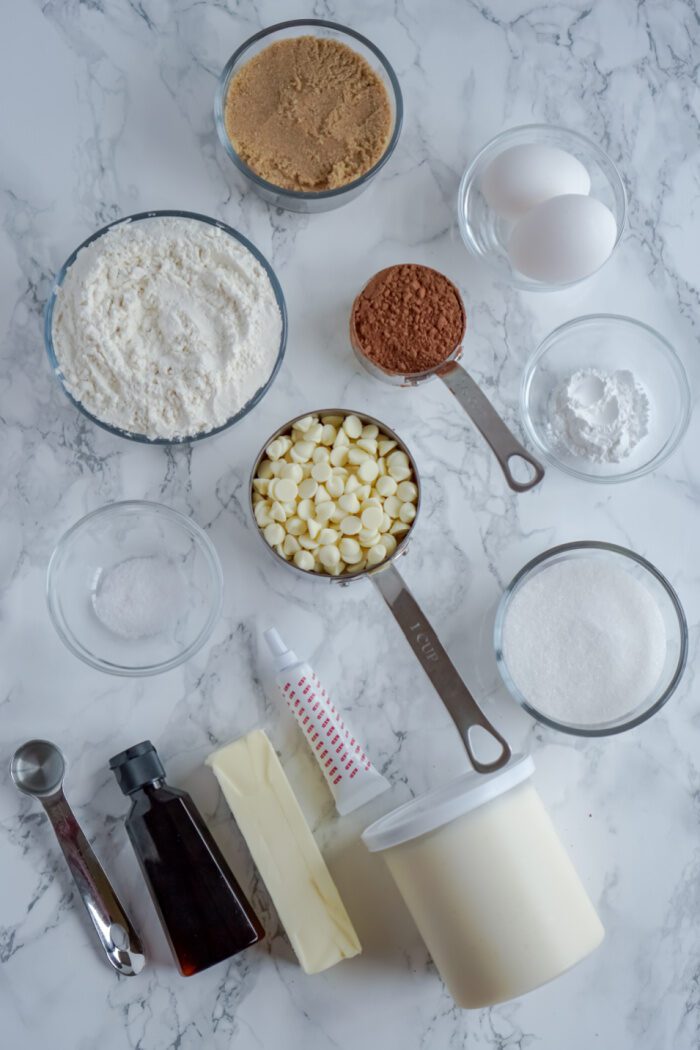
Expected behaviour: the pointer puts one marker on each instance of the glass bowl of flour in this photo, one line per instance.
(590, 638)
(134, 588)
(605, 398)
(166, 327)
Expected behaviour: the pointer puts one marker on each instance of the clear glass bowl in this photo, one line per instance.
(607, 342)
(325, 200)
(51, 304)
(110, 536)
(669, 607)
(486, 235)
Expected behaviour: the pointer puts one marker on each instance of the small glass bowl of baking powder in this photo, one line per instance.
(590, 638)
(134, 588)
(298, 200)
(605, 398)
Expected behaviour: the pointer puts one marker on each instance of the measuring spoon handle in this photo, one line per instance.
(117, 936)
(463, 708)
(504, 445)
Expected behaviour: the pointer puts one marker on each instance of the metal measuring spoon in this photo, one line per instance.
(500, 439)
(470, 720)
(38, 768)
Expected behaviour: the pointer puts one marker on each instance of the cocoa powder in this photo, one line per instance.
(407, 319)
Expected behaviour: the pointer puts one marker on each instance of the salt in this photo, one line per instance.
(139, 597)
(584, 641)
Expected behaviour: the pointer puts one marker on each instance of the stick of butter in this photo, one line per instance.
(285, 853)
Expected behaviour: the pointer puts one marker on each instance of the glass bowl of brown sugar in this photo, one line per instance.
(407, 326)
(309, 112)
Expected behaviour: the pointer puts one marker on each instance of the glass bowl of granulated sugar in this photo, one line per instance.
(134, 588)
(590, 639)
(605, 398)
(166, 327)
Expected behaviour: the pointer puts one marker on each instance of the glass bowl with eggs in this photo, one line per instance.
(542, 206)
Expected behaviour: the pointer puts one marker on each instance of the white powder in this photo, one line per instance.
(600, 416)
(166, 327)
(584, 641)
(139, 597)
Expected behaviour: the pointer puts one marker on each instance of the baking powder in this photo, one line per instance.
(599, 416)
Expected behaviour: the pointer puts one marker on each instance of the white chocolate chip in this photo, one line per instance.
(386, 486)
(407, 512)
(321, 472)
(292, 470)
(301, 451)
(352, 427)
(376, 555)
(356, 456)
(350, 525)
(398, 528)
(372, 518)
(329, 556)
(368, 470)
(261, 486)
(368, 537)
(349, 502)
(290, 545)
(392, 506)
(350, 550)
(305, 509)
(321, 494)
(277, 512)
(307, 488)
(352, 484)
(328, 434)
(304, 424)
(407, 492)
(308, 543)
(368, 445)
(327, 536)
(321, 455)
(385, 446)
(274, 450)
(341, 440)
(333, 421)
(286, 490)
(273, 533)
(265, 469)
(389, 544)
(295, 526)
(314, 433)
(335, 487)
(325, 510)
(304, 560)
(339, 456)
(314, 528)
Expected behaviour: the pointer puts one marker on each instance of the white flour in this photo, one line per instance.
(600, 416)
(584, 641)
(166, 327)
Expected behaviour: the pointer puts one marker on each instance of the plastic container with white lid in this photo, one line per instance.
(489, 884)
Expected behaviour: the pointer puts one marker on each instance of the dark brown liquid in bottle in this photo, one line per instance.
(203, 910)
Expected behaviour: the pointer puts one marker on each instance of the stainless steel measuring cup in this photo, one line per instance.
(502, 442)
(38, 768)
(461, 705)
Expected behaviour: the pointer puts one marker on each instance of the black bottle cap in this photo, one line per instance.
(136, 766)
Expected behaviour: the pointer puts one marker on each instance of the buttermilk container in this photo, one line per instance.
(489, 884)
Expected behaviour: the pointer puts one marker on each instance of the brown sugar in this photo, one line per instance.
(408, 319)
(308, 114)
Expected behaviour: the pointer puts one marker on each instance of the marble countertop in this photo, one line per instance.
(107, 110)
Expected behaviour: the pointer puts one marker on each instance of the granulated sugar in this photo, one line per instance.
(584, 641)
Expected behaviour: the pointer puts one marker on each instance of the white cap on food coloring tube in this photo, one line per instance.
(284, 657)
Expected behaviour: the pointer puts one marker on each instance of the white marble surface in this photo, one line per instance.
(107, 109)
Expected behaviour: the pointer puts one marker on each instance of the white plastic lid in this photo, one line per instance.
(284, 657)
(445, 803)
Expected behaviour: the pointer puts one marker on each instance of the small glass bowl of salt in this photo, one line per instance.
(134, 588)
(605, 398)
(590, 638)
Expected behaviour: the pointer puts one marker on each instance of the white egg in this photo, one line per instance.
(563, 240)
(523, 176)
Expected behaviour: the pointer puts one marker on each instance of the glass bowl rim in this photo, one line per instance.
(611, 548)
(401, 547)
(271, 187)
(138, 217)
(527, 284)
(666, 350)
(204, 544)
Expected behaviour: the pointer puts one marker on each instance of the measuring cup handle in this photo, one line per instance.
(484, 416)
(118, 937)
(463, 708)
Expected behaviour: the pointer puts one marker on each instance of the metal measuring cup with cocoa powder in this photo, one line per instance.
(407, 325)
